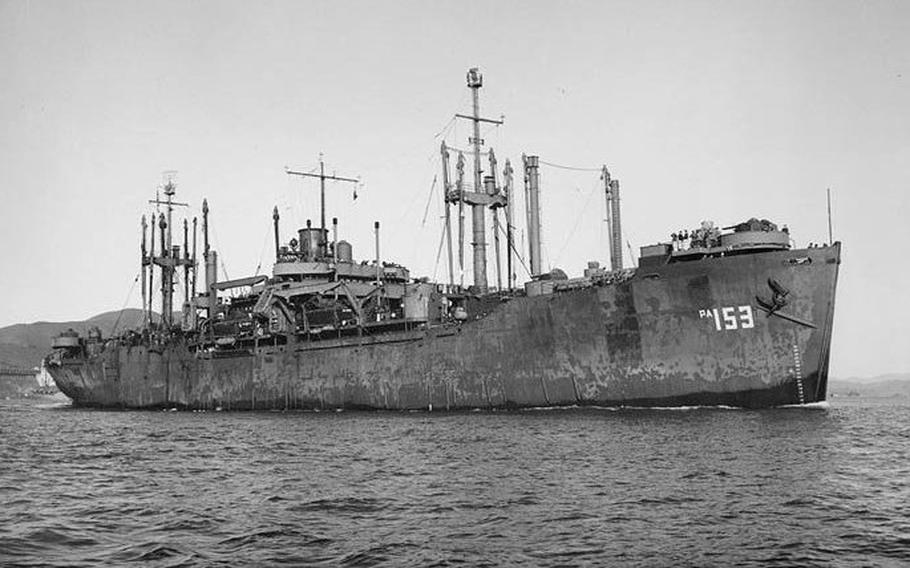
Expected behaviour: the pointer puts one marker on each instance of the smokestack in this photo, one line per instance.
(309, 255)
(533, 176)
(378, 266)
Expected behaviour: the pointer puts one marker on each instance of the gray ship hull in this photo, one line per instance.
(701, 332)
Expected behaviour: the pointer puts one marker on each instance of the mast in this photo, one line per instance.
(446, 188)
(608, 219)
(169, 258)
(527, 188)
(378, 263)
(335, 243)
(210, 258)
(186, 265)
(614, 223)
(507, 189)
(475, 81)
(459, 187)
(167, 285)
(205, 228)
(145, 263)
(532, 180)
(277, 240)
(195, 264)
(321, 194)
(151, 293)
(478, 198)
(322, 177)
(492, 189)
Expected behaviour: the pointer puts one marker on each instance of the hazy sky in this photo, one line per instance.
(705, 110)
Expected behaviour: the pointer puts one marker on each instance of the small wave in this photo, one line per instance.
(257, 539)
(55, 405)
(669, 500)
(186, 524)
(375, 555)
(798, 502)
(820, 405)
(154, 552)
(344, 505)
(158, 552)
(59, 537)
(704, 474)
(256, 536)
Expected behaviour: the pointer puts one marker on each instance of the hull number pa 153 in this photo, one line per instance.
(729, 317)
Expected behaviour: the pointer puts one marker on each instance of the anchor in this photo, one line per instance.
(778, 300)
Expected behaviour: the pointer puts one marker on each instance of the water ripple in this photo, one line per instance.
(579, 487)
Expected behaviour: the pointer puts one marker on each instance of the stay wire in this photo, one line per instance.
(265, 241)
(442, 240)
(552, 165)
(517, 253)
(128, 296)
(426, 211)
(217, 242)
(575, 226)
(445, 129)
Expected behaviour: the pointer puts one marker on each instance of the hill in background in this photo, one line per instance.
(892, 384)
(24, 344)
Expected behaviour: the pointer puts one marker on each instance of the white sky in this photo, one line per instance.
(704, 110)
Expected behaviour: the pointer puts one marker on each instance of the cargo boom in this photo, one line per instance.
(734, 318)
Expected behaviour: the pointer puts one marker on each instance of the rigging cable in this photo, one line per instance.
(468, 152)
(426, 211)
(552, 165)
(442, 240)
(128, 296)
(217, 242)
(577, 221)
(262, 250)
(445, 129)
(517, 253)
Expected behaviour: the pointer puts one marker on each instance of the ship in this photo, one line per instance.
(713, 316)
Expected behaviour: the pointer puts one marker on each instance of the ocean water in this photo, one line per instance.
(575, 487)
